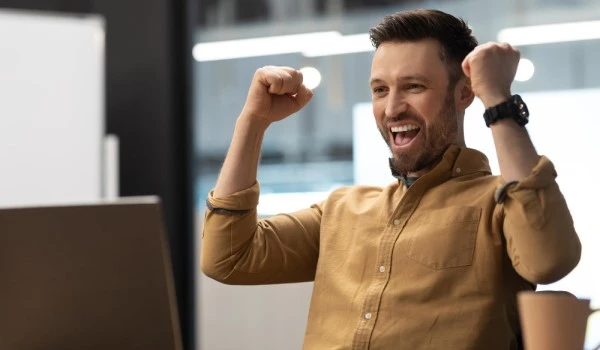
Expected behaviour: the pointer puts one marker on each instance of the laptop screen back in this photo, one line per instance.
(92, 277)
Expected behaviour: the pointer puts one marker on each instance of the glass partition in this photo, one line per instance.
(309, 154)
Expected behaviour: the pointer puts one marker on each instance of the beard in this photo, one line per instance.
(437, 137)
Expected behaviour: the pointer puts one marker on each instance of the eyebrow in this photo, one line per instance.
(417, 77)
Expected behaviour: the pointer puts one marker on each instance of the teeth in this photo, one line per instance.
(404, 128)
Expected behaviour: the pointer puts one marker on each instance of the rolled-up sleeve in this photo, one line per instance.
(237, 248)
(537, 224)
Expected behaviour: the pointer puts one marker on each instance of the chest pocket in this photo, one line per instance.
(444, 238)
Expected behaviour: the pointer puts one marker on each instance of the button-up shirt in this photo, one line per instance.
(433, 266)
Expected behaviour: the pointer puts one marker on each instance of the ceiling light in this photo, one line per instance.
(264, 46)
(525, 70)
(550, 33)
(343, 45)
(311, 77)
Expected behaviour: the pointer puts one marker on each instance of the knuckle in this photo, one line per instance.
(279, 80)
(296, 75)
(260, 72)
(289, 69)
(482, 53)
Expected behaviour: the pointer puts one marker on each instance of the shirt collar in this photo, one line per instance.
(460, 160)
(468, 161)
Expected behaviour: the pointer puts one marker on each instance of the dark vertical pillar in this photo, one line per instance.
(148, 91)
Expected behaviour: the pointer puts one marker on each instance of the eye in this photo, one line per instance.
(415, 87)
(379, 90)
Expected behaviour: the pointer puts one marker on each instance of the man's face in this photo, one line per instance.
(413, 107)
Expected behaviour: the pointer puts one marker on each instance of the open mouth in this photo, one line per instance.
(403, 135)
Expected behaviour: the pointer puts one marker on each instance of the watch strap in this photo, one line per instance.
(513, 108)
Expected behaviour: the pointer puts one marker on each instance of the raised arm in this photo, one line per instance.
(539, 231)
(236, 247)
(491, 68)
(275, 93)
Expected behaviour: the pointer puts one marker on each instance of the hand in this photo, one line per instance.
(275, 93)
(491, 68)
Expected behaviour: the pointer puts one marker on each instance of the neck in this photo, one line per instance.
(425, 170)
(459, 142)
(460, 135)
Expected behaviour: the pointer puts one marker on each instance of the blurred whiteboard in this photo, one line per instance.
(563, 126)
(51, 107)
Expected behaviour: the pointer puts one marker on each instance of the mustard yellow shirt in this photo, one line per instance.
(434, 266)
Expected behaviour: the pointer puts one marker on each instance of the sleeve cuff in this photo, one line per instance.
(542, 175)
(241, 201)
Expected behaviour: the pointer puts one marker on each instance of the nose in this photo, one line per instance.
(395, 105)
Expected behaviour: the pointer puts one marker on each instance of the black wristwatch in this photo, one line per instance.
(513, 108)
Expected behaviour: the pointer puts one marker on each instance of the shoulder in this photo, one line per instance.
(361, 191)
(360, 195)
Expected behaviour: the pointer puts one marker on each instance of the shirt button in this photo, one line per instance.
(381, 268)
(458, 170)
(368, 316)
(397, 222)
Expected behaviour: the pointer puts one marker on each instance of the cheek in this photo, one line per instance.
(378, 106)
(378, 112)
(428, 108)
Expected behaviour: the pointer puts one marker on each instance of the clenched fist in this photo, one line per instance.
(276, 93)
(492, 67)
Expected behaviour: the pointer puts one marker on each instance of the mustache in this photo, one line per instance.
(403, 117)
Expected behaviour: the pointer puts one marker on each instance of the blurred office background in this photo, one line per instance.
(172, 98)
(315, 151)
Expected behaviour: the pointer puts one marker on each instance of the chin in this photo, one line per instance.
(413, 163)
(404, 164)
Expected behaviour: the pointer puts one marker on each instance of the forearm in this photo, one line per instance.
(515, 151)
(516, 154)
(241, 163)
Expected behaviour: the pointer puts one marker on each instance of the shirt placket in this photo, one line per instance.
(370, 310)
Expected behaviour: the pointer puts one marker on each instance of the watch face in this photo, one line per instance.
(521, 107)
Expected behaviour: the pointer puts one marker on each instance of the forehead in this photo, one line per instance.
(393, 60)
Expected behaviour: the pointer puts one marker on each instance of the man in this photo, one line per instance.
(434, 260)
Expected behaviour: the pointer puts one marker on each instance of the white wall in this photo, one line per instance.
(252, 317)
(51, 107)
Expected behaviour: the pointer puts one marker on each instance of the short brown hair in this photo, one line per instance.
(452, 33)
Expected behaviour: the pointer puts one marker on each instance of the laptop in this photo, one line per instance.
(93, 276)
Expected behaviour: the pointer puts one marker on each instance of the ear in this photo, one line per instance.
(463, 93)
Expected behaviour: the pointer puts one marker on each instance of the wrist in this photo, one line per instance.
(506, 124)
(492, 100)
(252, 122)
(512, 108)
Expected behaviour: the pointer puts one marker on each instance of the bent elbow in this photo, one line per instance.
(210, 272)
(223, 275)
(214, 269)
(550, 270)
